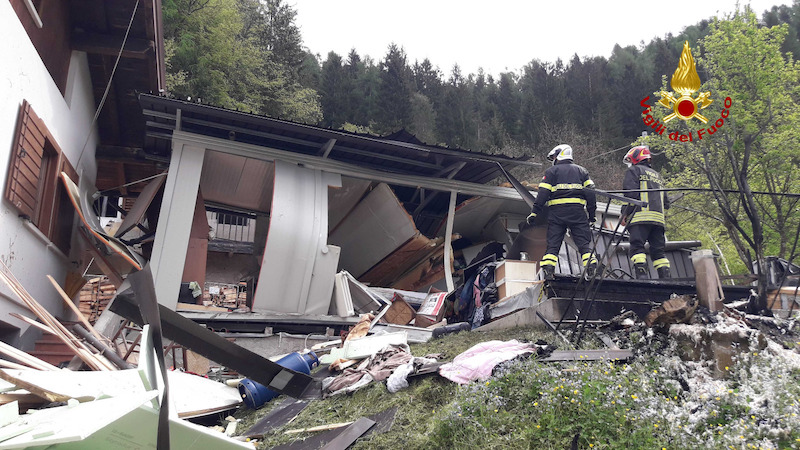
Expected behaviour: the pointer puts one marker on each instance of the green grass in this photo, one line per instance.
(527, 404)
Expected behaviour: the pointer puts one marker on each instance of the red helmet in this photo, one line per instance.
(637, 155)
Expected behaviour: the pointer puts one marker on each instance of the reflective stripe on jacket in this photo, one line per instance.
(642, 177)
(566, 184)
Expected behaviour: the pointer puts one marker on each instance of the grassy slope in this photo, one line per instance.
(655, 401)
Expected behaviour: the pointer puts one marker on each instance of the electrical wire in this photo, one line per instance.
(132, 183)
(606, 153)
(696, 189)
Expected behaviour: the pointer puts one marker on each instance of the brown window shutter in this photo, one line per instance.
(24, 173)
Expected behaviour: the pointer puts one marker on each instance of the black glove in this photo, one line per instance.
(592, 219)
(531, 218)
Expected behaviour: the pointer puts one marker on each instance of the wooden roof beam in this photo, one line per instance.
(109, 45)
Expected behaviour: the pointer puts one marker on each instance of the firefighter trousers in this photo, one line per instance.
(572, 217)
(652, 233)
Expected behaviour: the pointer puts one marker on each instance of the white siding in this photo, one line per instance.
(24, 77)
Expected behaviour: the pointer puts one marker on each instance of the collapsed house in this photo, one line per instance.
(249, 224)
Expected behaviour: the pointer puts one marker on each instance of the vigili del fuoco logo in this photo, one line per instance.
(685, 82)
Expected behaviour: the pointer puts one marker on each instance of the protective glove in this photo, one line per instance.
(592, 219)
(531, 218)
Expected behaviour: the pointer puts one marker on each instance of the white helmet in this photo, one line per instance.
(560, 153)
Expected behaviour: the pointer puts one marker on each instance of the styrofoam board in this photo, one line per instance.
(369, 345)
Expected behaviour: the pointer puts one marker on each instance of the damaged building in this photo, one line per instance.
(237, 226)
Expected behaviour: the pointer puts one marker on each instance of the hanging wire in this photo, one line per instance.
(132, 183)
(606, 153)
(697, 189)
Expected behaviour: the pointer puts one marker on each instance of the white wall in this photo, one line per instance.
(23, 77)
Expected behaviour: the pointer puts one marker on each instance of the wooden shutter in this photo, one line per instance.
(24, 173)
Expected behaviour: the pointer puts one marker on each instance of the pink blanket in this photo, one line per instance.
(478, 362)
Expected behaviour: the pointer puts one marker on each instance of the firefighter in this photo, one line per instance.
(645, 224)
(567, 191)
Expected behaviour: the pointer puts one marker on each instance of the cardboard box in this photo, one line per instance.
(512, 287)
(517, 270)
(431, 310)
(513, 277)
(399, 312)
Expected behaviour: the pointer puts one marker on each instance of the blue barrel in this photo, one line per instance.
(255, 395)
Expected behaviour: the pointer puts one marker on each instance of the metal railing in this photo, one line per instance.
(231, 226)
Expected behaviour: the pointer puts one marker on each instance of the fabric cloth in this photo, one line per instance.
(377, 367)
(478, 362)
(399, 378)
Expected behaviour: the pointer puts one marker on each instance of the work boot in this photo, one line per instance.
(663, 272)
(549, 272)
(591, 271)
(641, 272)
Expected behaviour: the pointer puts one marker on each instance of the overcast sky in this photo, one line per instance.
(498, 35)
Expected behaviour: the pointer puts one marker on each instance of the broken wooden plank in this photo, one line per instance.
(91, 385)
(78, 313)
(350, 434)
(330, 426)
(192, 307)
(400, 260)
(61, 332)
(24, 358)
(278, 417)
(216, 348)
(12, 365)
(384, 421)
(588, 355)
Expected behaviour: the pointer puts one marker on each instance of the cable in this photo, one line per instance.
(690, 189)
(606, 153)
(108, 86)
(131, 183)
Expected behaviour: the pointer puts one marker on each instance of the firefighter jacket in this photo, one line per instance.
(566, 184)
(641, 177)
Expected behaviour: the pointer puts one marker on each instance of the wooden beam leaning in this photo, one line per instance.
(78, 312)
(216, 348)
(61, 332)
(25, 358)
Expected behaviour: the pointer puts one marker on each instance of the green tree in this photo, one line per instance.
(750, 142)
(394, 92)
(214, 55)
(335, 90)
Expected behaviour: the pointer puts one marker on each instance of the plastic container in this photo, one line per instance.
(255, 395)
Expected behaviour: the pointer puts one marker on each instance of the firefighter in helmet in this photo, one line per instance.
(568, 193)
(645, 224)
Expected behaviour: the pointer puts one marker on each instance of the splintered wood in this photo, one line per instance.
(94, 297)
(94, 361)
